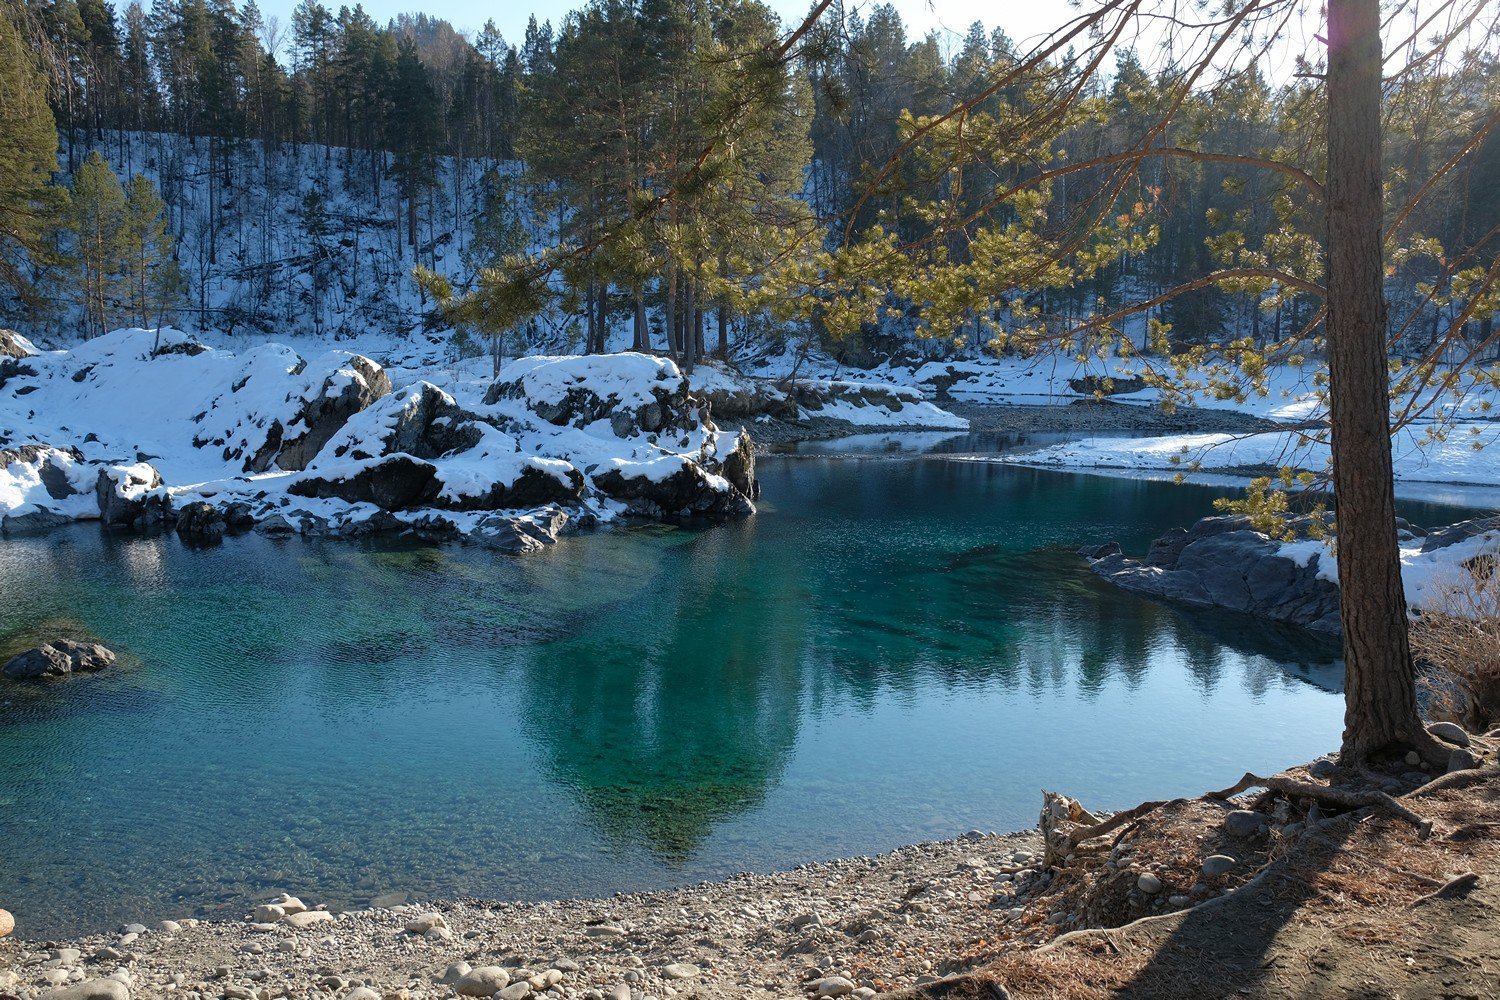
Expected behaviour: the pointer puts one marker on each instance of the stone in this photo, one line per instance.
(169, 927)
(1461, 760)
(1148, 883)
(58, 658)
(66, 956)
(362, 993)
(1413, 758)
(268, 913)
(1245, 823)
(308, 918)
(1217, 864)
(515, 991)
(7, 924)
(201, 522)
(289, 903)
(453, 973)
(1322, 768)
(425, 922)
(485, 981)
(1449, 732)
(680, 970)
(132, 496)
(94, 989)
(832, 986)
(604, 931)
(620, 992)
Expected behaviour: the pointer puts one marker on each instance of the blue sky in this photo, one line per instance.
(945, 16)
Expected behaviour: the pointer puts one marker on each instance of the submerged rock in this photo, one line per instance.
(201, 522)
(59, 658)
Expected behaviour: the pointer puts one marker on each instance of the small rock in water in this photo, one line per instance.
(268, 913)
(832, 986)
(680, 970)
(7, 923)
(1449, 732)
(1217, 864)
(289, 904)
(1244, 823)
(1148, 883)
(1461, 760)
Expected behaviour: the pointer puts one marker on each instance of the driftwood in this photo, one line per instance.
(1330, 796)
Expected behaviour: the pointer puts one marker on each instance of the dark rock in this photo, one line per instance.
(519, 535)
(1245, 823)
(686, 493)
(59, 658)
(670, 407)
(1441, 538)
(534, 487)
(201, 522)
(394, 483)
(132, 499)
(1103, 385)
(1092, 552)
(1223, 562)
(739, 467)
(33, 522)
(238, 516)
(10, 345)
(187, 348)
(327, 412)
(1461, 760)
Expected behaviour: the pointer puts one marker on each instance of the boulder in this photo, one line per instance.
(686, 493)
(520, 534)
(94, 989)
(37, 521)
(1104, 385)
(201, 522)
(1449, 732)
(7, 923)
(394, 483)
(1224, 562)
(132, 496)
(485, 981)
(59, 658)
(1441, 538)
(739, 467)
(13, 345)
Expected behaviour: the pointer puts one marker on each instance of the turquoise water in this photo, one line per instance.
(891, 651)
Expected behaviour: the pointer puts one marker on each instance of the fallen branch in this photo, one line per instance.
(1451, 889)
(1331, 796)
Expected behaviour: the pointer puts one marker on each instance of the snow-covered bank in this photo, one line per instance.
(142, 430)
(1224, 562)
(133, 431)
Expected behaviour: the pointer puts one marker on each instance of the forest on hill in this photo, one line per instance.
(687, 171)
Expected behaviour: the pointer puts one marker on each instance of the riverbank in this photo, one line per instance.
(1253, 895)
(876, 922)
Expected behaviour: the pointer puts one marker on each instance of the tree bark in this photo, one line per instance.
(1380, 691)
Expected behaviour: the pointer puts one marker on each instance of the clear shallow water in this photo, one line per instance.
(892, 651)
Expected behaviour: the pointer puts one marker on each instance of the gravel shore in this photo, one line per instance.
(852, 927)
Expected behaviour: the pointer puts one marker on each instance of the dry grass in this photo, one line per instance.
(1460, 643)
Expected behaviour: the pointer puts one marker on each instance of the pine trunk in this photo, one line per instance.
(1380, 694)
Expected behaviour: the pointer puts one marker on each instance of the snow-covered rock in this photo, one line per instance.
(139, 429)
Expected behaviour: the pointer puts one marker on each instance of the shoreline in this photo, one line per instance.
(880, 923)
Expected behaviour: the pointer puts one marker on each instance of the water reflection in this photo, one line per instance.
(908, 646)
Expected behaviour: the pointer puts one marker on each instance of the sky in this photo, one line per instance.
(951, 17)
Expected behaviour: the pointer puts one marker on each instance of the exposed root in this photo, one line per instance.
(1452, 889)
(1330, 796)
(1456, 779)
(1116, 821)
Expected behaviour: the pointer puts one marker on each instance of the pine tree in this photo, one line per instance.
(97, 219)
(152, 276)
(29, 202)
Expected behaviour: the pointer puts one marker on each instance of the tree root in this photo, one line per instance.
(1456, 779)
(1330, 796)
(1452, 889)
(1116, 821)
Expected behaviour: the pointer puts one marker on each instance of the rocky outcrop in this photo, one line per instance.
(739, 467)
(13, 345)
(329, 409)
(650, 404)
(1224, 562)
(59, 658)
(399, 482)
(131, 496)
(688, 492)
